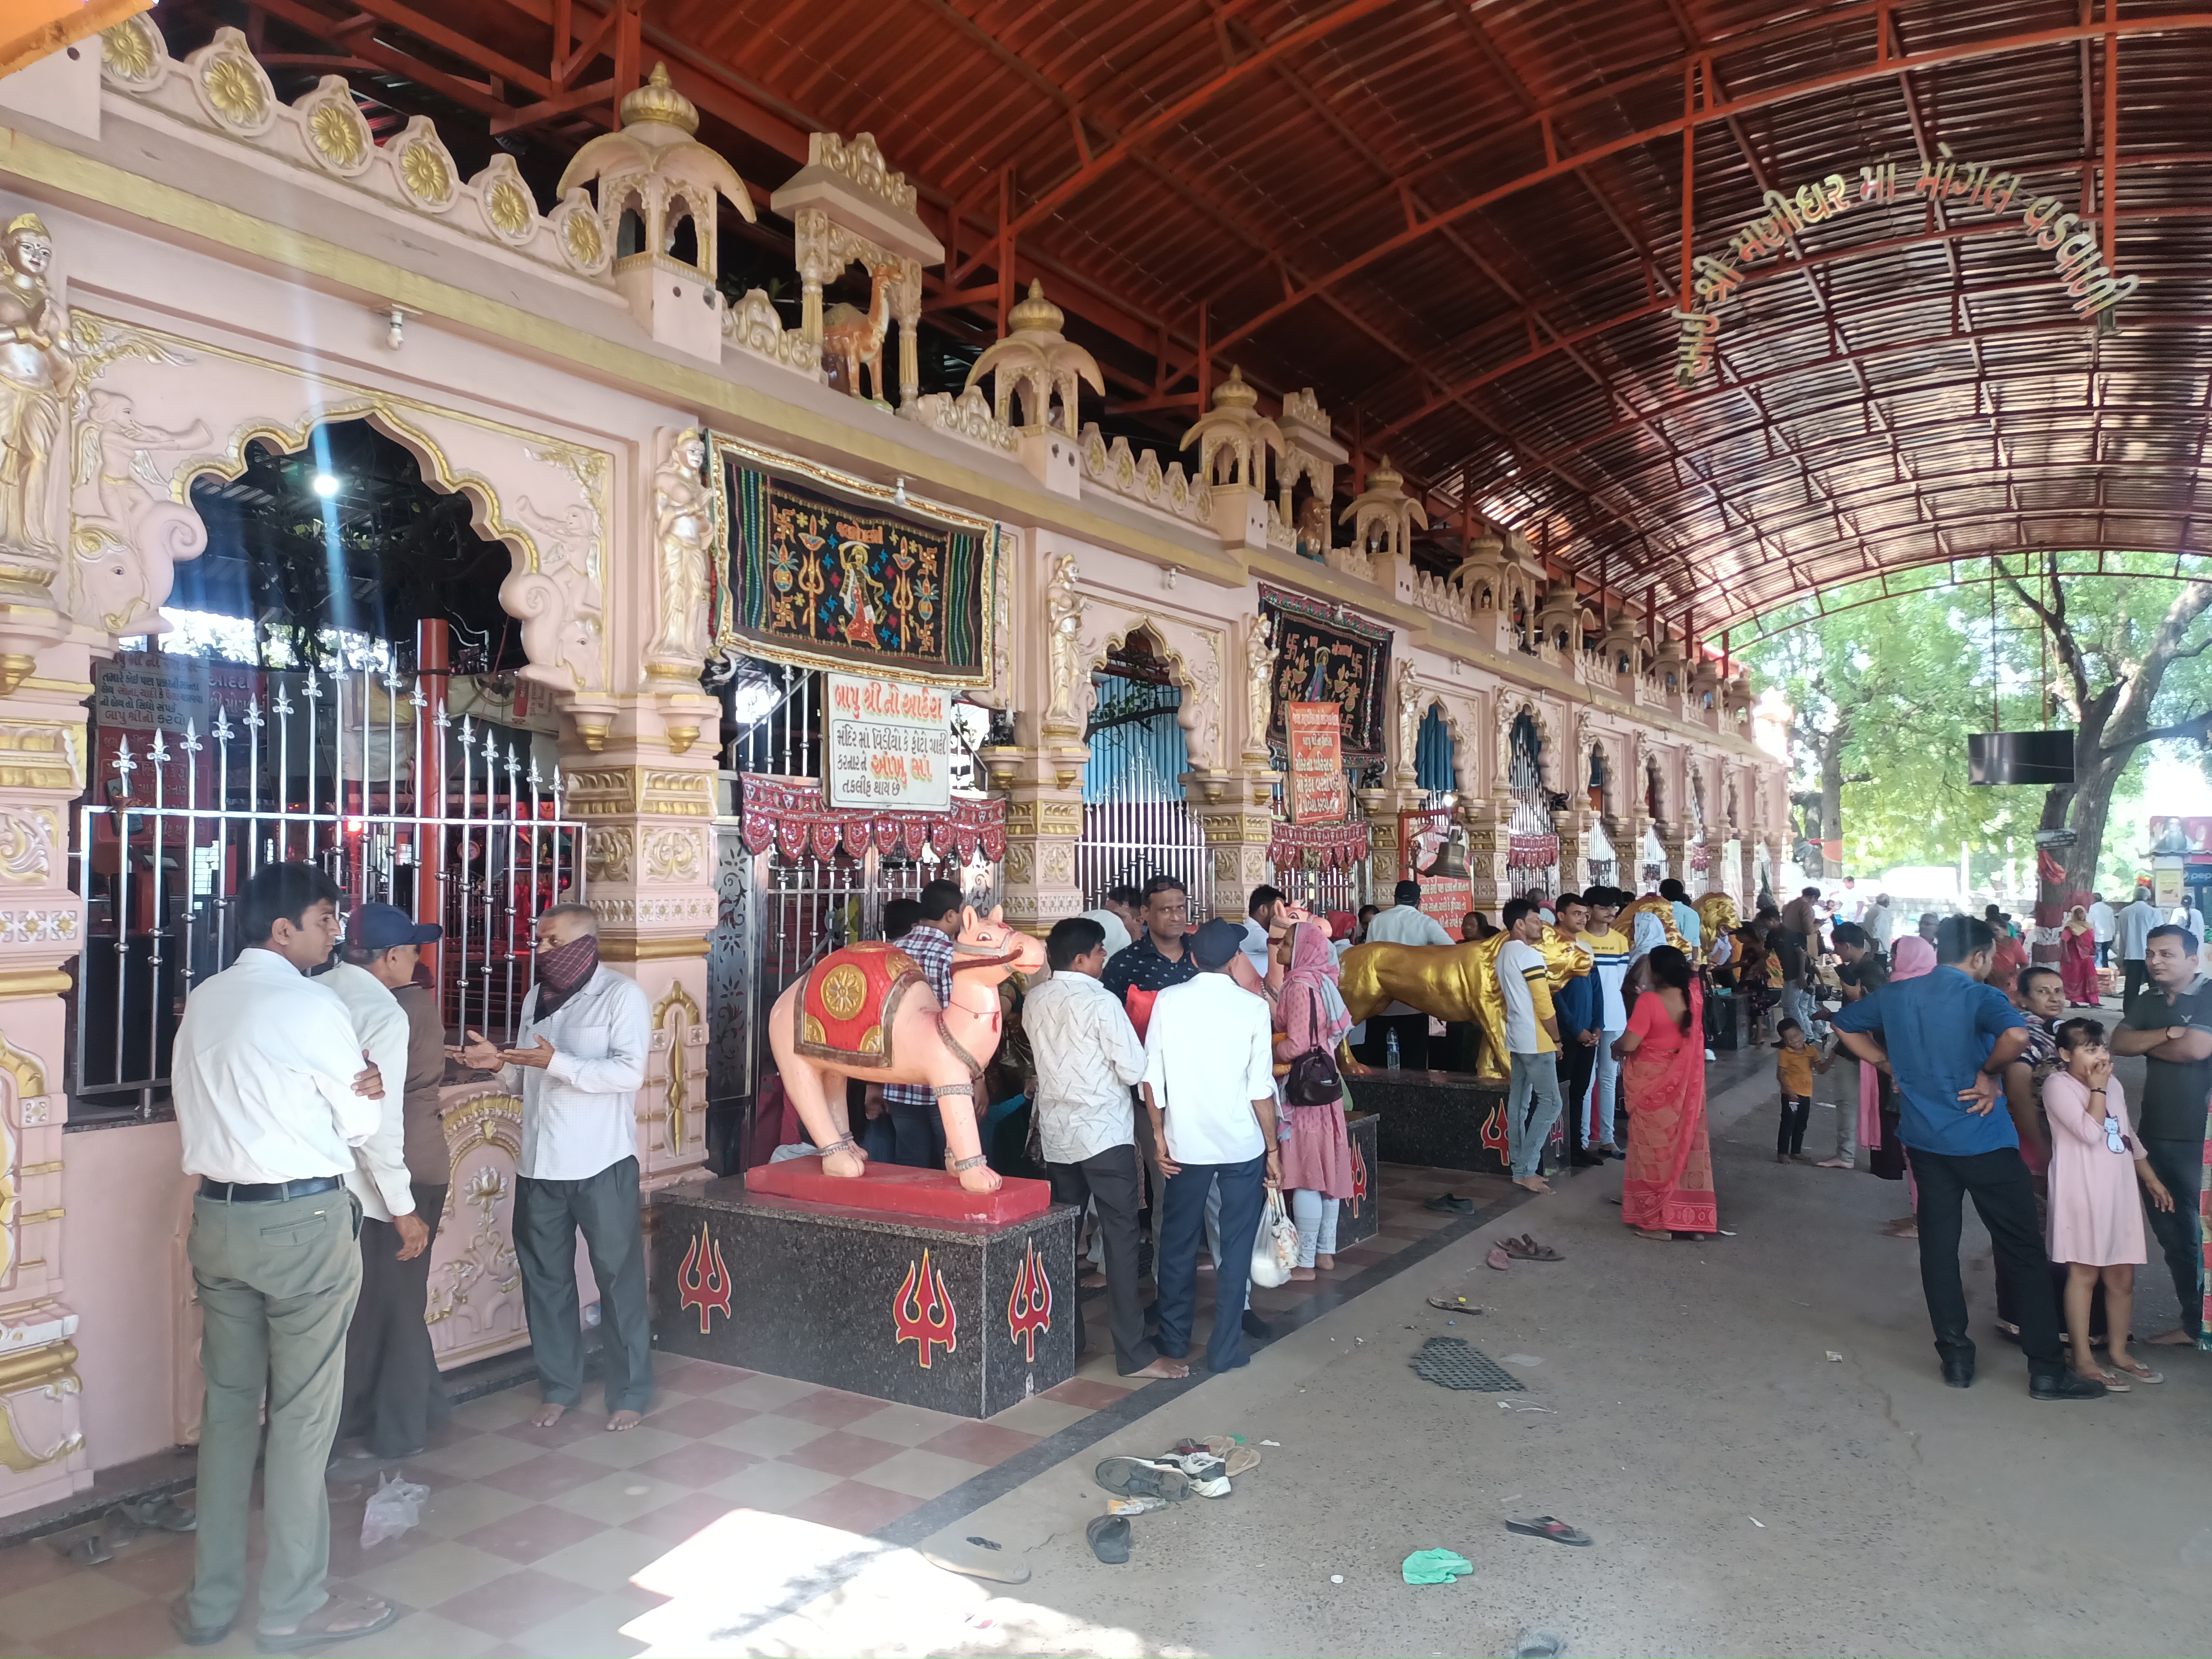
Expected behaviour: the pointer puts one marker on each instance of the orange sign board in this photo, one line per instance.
(1314, 733)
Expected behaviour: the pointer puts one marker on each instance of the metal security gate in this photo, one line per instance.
(1136, 824)
(359, 771)
(1532, 816)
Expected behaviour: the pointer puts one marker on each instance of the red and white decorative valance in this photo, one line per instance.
(789, 814)
(1318, 846)
(1531, 853)
(1701, 856)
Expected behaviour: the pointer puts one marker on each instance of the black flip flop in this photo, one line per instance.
(1447, 1204)
(1550, 1527)
(1110, 1537)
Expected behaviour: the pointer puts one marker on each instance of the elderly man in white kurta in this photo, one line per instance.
(577, 1061)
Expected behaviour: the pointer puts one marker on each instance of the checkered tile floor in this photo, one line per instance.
(529, 1538)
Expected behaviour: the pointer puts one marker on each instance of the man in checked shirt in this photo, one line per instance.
(917, 1126)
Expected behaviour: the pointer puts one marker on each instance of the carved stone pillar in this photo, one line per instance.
(1044, 821)
(1675, 838)
(1572, 827)
(1489, 823)
(42, 746)
(908, 311)
(1234, 813)
(649, 860)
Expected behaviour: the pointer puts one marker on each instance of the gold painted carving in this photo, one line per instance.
(26, 844)
(233, 81)
(50, 1371)
(1057, 818)
(338, 132)
(131, 50)
(678, 1000)
(426, 172)
(507, 207)
(580, 235)
(606, 853)
(1064, 620)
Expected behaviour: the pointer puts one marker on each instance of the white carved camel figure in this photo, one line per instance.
(858, 336)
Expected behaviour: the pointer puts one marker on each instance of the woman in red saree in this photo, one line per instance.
(1667, 1184)
(2077, 960)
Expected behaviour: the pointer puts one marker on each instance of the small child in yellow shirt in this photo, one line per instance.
(1793, 1066)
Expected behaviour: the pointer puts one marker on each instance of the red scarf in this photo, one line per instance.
(563, 970)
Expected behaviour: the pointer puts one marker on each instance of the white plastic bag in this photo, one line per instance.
(1275, 1245)
(395, 1506)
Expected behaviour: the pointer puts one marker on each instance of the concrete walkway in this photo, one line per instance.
(1748, 1494)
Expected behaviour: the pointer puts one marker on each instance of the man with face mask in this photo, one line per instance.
(578, 1059)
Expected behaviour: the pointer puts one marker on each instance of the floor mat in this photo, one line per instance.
(1453, 1363)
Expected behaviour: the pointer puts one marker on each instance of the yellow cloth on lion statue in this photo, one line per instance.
(1652, 905)
(1451, 982)
(1716, 912)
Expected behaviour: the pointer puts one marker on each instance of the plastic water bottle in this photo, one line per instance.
(1390, 1053)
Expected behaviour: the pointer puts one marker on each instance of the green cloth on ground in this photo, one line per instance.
(1435, 1567)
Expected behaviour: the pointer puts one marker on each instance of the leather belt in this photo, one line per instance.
(266, 1192)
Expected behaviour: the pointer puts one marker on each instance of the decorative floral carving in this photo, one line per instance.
(426, 172)
(607, 854)
(672, 855)
(558, 602)
(336, 133)
(858, 160)
(133, 54)
(507, 207)
(578, 231)
(968, 416)
(233, 87)
(753, 324)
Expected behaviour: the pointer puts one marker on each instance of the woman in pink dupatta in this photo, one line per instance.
(1667, 1187)
(1316, 1149)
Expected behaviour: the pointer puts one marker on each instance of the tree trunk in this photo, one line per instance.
(1831, 800)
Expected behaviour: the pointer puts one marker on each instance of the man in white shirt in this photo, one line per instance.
(392, 1374)
(1209, 1092)
(2104, 927)
(1881, 922)
(1088, 1059)
(2133, 940)
(1403, 922)
(271, 1098)
(578, 1060)
(2186, 914)
(1532, 1043)
(1849, 906)
(1258, 925)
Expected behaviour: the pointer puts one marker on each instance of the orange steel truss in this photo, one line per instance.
(1468, 226)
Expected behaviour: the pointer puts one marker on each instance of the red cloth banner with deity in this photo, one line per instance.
(790, 815)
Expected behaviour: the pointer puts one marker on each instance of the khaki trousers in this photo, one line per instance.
(277, 1283)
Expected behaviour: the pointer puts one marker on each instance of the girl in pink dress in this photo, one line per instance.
(2096, 1221)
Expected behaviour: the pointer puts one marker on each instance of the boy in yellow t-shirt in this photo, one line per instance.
(1794, 1067)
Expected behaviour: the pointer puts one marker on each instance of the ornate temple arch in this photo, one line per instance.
(155, 412)
(1193, 667)
(1511, 705)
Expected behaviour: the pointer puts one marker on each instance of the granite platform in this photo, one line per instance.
(1360, 1217)
(959, 1316)
(1444, 1120)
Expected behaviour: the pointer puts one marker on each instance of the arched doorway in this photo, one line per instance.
(1136, 824)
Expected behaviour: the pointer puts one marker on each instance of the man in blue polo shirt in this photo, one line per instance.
(1948, 1038)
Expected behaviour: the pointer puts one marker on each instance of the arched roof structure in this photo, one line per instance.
(1469, 224)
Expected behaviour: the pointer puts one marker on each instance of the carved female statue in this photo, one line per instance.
(1064, 619)
(37, 371)
(1259, 684)
(683, 521)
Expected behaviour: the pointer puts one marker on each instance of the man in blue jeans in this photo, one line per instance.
(1532, 1043)
(1209, 1088)
(1948, 1038)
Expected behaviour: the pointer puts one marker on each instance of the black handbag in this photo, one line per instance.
(1314, 1079)
(1888, 1159)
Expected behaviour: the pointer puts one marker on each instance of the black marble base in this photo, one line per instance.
(1442, 1119)
(955, 1316)
(1359, 1217)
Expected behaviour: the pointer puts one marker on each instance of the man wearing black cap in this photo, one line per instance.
(1209, 1092)
(393, 1395)
(1403, 922)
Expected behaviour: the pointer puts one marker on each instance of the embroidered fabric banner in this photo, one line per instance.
(1324, 657)
(1318, 846)
(819, 569)
(1317, 792)
(790, 815)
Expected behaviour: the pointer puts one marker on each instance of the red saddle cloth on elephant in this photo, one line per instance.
(849, 1001)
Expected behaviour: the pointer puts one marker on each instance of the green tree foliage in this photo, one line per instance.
(1887, 690)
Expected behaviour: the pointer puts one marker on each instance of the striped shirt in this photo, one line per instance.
(930, 947)
(1525, 980)
(1609, 951)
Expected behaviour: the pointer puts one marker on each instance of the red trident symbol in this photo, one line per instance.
(1028, 1306)
(1493, 1131)
(703, 1282)
(1359, 1178)
(922, 1311)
